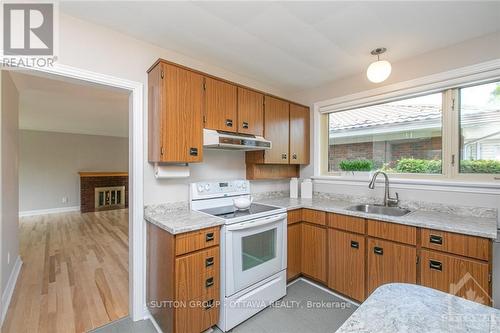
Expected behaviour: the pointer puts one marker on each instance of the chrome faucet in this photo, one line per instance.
(388, 201)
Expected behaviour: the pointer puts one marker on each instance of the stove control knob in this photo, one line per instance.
(200, 188)
(207, 187)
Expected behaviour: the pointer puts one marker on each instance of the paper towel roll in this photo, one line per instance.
(171, 171)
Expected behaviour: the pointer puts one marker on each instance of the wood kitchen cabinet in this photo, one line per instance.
(183, 269)
(250, 112)
(467, 278)
(314, 251)
(389, 262)
(175, 118)
(346, 263)
(276, 129)
(221, 111)
(299, 134)
(294, 252)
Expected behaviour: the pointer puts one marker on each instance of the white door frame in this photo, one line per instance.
(137, 272)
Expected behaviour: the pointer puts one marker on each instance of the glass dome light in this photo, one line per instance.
(379, 70)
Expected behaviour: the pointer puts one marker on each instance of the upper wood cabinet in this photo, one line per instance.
(221, 111)
(250, 112)
(276, 129)
(175, 100)
(299, 134)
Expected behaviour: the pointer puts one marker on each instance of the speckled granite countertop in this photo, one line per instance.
(402, 307)
(177, 218)
(469, 221)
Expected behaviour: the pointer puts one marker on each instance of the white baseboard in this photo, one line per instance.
(49, 211)
(9, 288)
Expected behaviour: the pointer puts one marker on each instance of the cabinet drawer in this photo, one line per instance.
(204, 285)
(314, 216)
(294, 216)
(459, 276)
(197, 315)
(196, 240)
(468, 246)
(192, 269)
(393, 232)
(347, 223)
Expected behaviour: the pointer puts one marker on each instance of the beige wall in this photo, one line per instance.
(9, 173)
(95, 48)
(49, 163)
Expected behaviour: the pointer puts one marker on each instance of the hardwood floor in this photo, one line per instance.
(74, 276)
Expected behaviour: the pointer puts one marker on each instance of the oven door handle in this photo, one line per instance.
(257, 223)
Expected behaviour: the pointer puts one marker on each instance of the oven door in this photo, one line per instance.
(255, 250)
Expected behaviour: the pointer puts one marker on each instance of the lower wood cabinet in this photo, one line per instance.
(459, 276)
(313, 259)
(346, 263)
(183, 279)
(294, 253)
(390, 262)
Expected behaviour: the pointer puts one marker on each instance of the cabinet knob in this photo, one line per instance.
(209, 262)
(209, 282)
(245, 124)
(294, 156)
(435, 265)
(208, 304)
(193, 151)
(378, 250)
(229, 122)
(283, 156)
(355, 245)
(435, 239)
(209, 237)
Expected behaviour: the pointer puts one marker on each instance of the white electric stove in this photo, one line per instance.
(253, 249)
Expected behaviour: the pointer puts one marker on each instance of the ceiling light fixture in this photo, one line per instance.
(379, 70)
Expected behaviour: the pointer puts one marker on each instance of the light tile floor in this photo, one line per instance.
(311, 309)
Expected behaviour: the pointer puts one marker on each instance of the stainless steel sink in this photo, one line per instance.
(379, 210)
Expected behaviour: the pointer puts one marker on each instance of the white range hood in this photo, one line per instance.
(213, 139)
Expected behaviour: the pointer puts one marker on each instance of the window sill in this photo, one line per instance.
(362, 179)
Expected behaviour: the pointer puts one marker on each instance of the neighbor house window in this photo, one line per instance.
(401, 137)
(480, 129)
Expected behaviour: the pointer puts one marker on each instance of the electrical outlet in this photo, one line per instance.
(8, 258)
(65, 200)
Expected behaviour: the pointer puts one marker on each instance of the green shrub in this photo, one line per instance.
(410, 165)
(480, 166)
(356, 165)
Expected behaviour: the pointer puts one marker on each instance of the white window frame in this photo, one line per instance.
(447, 83)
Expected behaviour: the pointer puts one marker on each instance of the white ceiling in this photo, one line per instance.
(57, 105)
(295, 45)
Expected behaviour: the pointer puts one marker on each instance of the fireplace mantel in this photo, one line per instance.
(102, 174)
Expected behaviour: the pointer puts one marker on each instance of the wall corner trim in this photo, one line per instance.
(9, 288)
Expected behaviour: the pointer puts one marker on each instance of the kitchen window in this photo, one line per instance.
(449, 134)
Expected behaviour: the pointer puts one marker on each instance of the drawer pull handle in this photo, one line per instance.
(193, 151)
(209, 237)
(208, 304)
(209, 262)
(355, 245)
(209, 282)
(378, 250)
(435, 239)
(284, 156)
(245, 124)
(229, 122)
(436, 265)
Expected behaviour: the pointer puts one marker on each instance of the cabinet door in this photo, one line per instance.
(294, 252)
(455, 275)
(276, 129)
(299, 134)
(182, 125)
(220, 105)
(250, 112)
(313, 259)
(346, 264)
(390, 262)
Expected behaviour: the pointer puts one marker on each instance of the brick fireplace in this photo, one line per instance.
(103, 191)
